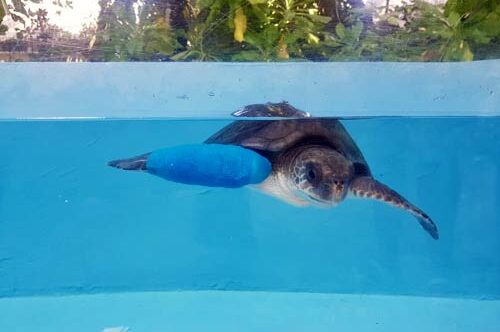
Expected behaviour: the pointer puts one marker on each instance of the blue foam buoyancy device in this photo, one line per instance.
(212, 165)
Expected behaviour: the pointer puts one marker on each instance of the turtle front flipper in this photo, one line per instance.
(367, 187)
(278, 110)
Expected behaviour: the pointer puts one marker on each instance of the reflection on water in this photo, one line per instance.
(245, 30)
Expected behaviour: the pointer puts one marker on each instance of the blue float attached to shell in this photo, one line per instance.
(211, 165)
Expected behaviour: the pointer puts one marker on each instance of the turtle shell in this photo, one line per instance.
(272, 137)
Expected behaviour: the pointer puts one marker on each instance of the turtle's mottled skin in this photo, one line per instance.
(314, 160)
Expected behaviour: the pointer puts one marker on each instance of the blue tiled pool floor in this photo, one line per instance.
(245, 311)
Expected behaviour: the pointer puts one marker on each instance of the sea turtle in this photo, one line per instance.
(314, 160)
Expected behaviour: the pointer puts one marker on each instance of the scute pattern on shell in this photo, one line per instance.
(279, 135)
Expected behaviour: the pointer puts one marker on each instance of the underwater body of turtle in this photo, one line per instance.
(314, 160)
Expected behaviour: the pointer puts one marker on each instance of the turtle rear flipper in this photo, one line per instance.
(367, 187)
(275, 110)
(131, 164)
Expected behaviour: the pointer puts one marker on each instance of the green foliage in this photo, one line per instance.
(299, 29)
(293, 24)
(411, 32)
(206, 31)
(121, 38)
(281, 30)
(472, 24)
(3, 12)
(420, 31)
(277, 29)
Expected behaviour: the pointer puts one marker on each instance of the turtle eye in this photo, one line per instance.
(311, 174)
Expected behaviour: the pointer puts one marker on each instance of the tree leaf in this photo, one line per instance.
(240, 25)
(2, 11)
(356, 30)
(340, 30)
(394, 21)
(467, 53)
(454, 19)
(319, 18)
(247, 56)
(312, 39)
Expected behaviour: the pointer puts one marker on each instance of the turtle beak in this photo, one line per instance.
(335, 191)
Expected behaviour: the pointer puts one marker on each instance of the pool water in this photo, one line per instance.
(85, 247)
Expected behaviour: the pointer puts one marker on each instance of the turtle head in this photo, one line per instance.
(321, 174)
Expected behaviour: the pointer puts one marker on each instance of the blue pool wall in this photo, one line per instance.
(71, 225)
(208, 90)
